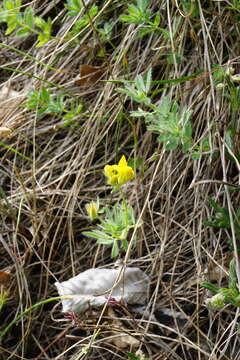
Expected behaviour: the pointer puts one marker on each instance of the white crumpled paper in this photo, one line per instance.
(92, 287)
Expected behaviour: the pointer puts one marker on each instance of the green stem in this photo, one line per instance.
(125, 206)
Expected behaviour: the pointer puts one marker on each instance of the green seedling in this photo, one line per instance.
(138, 90)
(173, 126)
(106, 31)
(74, 7)
(44, 103)
(165, 119)
(140, 14)
(224, 296)
(221, 220)
(114, 227)
(79, 25)
(24, 23)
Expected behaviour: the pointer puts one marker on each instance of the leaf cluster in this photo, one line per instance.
(114, 227)
(221, 220)
(231, 294)
(172, 125)
(44, 103)
(83, 22)
(140, 14)
(24, 23)
(74, 7)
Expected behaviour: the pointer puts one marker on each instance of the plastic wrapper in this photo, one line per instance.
(93, 287)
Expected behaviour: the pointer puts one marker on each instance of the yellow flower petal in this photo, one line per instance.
(122, 161)
(118, 174)
(126, 174)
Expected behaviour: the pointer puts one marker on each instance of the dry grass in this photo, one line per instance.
(53, 171)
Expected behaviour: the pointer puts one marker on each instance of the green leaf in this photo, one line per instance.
(157, 20)
(115, 250)
(29, 17)
(171, 145)
(187, 144)
(165, 137)
(187, 131)
(232, 276)
(195, 155)
(100, 236)
(42, 39)
(45, 94)
(22, 32)
(9, 5)
(124, 244)
(11, 27)
(39, 22)
(148, 80)
(74, 7)
(132, 356)
(209, 286)
(165, 33)
(106, 241)
(93, 11)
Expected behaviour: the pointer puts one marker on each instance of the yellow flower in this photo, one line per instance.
(92, 210)
(119, 174)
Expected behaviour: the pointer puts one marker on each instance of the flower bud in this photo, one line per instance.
(215, 302)
(220, 86)
(92, 210)
(235, 78)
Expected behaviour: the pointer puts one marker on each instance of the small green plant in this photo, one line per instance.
(139, 89)
(86, 19)
(24, 23)
(74, 7)
(140, 14)
(172, 125)
(221, 220)
(235, 5)
(224, 296)
(106, 31)
(44, 103)
(117, 220)
(225, 79)
(113, 229)
(137, 14)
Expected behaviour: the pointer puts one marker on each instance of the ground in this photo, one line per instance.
(81, 84)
